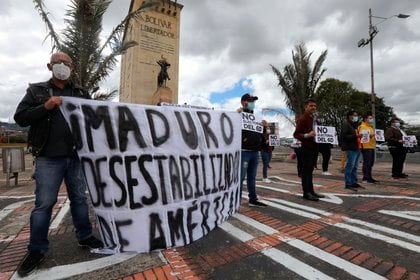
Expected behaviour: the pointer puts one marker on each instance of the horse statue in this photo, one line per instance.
(163, 74)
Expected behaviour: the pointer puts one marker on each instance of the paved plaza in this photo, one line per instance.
(373, 233)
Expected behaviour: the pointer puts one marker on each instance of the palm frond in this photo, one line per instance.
(101, 95)
(298, 80)
(55, 39)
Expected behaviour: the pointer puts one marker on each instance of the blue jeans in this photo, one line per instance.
(49, 174)
(266, 158)
(350, 171)
(249, 165)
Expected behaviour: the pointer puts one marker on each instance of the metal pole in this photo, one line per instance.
(372, 90)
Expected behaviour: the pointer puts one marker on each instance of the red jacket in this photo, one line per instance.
(305, 124)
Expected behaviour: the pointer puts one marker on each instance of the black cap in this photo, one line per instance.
(248, 97)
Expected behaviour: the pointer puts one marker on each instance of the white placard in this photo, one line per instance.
(409, 141)
(365, 136)
(274, 140)
(250, 122)
(158, 177)
(379, 135)
(326, 134)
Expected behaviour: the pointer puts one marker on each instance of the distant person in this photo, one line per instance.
(297, 145)
(251, 145)
(350, 141)
(305, 133)
(325, 150)
(266, 152)
(394, 137)
(368, 148)
(52, 144)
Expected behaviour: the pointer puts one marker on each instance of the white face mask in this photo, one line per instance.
(268, 131)
(61, 71)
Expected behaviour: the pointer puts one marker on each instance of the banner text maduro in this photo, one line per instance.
(157, 176)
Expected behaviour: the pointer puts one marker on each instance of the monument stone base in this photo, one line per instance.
(163, 94)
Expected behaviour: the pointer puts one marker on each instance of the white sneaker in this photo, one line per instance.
(266, 180)
(326, 173)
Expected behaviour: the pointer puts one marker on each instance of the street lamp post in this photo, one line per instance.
(373, 30)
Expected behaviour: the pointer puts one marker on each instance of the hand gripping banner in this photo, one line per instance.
(158, 177)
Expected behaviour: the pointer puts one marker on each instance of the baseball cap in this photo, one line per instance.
(248, 97)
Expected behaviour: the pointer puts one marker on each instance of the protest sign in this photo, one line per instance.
(365, 136)
(250, 122)
(158, 177)
(274, 136)
(379, 135)
(326, 134)
(409, 141)
(274, 140)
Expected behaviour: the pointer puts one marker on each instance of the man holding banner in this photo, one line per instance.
(252, 138)
(52, 144)
(305, 133)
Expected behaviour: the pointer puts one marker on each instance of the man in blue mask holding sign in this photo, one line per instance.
(252, 139)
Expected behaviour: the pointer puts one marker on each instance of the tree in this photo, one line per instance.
(360, 101)
(299, 80)
(93, 59)
(335, 98)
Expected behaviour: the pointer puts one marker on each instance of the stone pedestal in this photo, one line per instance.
(163, 94)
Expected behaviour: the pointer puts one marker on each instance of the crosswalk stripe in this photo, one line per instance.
(347, 266)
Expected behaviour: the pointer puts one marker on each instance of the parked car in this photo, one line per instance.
(382, 146)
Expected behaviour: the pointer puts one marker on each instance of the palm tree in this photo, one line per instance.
(298, 80)
(93, 59)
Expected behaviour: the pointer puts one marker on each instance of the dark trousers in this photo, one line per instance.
(398, 158)
(326, 155)
(368, 161)
(308, 161)
(298, 154)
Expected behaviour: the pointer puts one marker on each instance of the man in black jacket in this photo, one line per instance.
(52, 144)
(251, 144)
(394, 137)
(350, 142)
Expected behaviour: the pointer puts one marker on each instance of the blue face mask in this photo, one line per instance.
(397, 124)
(355, 119)
(371, 121)
(251, 105)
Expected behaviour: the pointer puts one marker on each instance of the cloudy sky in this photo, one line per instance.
(227, 46)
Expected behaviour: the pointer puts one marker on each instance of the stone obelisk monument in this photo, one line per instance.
(149, 71)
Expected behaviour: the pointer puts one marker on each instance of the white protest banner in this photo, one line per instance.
(326, 134)
(365, 136)
(409, 141)
(379, 135)
(274, 140)
(158, 177)
(250, 122)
